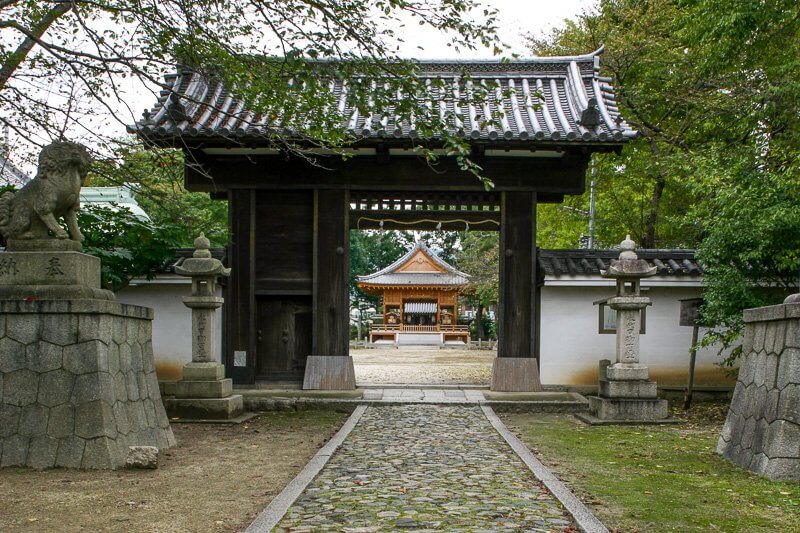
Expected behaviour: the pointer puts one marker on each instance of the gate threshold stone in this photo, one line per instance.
(540, 402)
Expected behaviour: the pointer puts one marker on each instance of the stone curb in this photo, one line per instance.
(291, 404)
(584, 519)
(273, 513)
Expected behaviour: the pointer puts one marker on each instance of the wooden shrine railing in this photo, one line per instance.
(439, 328)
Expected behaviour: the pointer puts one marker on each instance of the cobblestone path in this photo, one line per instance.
(425, 467)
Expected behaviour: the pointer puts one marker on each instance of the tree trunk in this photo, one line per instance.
(649, 237)
(14, 60)
(479, 332)
(652, 216)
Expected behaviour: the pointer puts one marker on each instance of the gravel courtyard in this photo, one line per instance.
(420, 365)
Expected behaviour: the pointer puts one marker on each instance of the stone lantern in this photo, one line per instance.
(625, 391)
(204, 392)
(204, 270)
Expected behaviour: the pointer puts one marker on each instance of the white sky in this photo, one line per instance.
(515, 19)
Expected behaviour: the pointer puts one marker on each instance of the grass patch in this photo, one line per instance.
(660, 478)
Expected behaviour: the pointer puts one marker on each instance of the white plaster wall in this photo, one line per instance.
(571, 345)
(172, 325)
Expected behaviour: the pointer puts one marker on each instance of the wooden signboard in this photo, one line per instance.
(690, 311)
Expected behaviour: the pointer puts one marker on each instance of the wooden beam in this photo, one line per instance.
(565, 175)
(517, 317)
(331, 273)
(240, 314)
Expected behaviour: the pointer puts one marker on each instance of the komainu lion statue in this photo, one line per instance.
(54, 193)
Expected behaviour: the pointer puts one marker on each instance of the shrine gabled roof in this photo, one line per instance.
(539, 100)
(393, 276)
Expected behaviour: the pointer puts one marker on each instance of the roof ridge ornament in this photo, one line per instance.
(590, 117)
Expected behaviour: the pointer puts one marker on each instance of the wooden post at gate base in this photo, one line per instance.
(330, 365)
(516, 367)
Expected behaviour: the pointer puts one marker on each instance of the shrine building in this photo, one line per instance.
(419, 294)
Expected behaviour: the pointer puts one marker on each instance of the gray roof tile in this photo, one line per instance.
(591, 262)
(566, 86)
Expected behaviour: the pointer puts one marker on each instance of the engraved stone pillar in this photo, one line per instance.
(625, 392)
(203, 393)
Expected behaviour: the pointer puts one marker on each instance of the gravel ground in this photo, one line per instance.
(423, 366)
(217, 479)
(421, 467)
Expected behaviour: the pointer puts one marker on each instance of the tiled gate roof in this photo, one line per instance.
(538, 100)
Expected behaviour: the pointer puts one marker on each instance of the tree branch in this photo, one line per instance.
(19, 55)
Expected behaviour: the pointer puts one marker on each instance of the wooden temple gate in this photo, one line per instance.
(290, 220)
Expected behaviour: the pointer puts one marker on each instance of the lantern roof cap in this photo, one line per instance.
(629, 265)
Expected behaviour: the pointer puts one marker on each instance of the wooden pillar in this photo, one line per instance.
(240, 308)
(329, 366)
(516, 367)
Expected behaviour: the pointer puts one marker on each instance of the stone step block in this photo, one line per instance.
(628, 409)
(627, 371)
(628, 389)
(203, 372)
(205, 408)
(204, 389)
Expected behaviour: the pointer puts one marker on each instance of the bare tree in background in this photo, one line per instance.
(71, 67)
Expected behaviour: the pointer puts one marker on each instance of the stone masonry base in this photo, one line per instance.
(762, 431)
(77, 384)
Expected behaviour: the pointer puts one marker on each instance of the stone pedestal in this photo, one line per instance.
(77, 378)
(50, 275)
(626, 396)
(204, 393)
(332, 372)
(515, 374)
(762, 431)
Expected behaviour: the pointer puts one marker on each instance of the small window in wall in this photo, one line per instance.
(608, 319)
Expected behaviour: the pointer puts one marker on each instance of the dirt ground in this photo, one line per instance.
(218, 478)
(423, 366)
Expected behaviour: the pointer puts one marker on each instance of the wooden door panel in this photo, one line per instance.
(284, 336)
